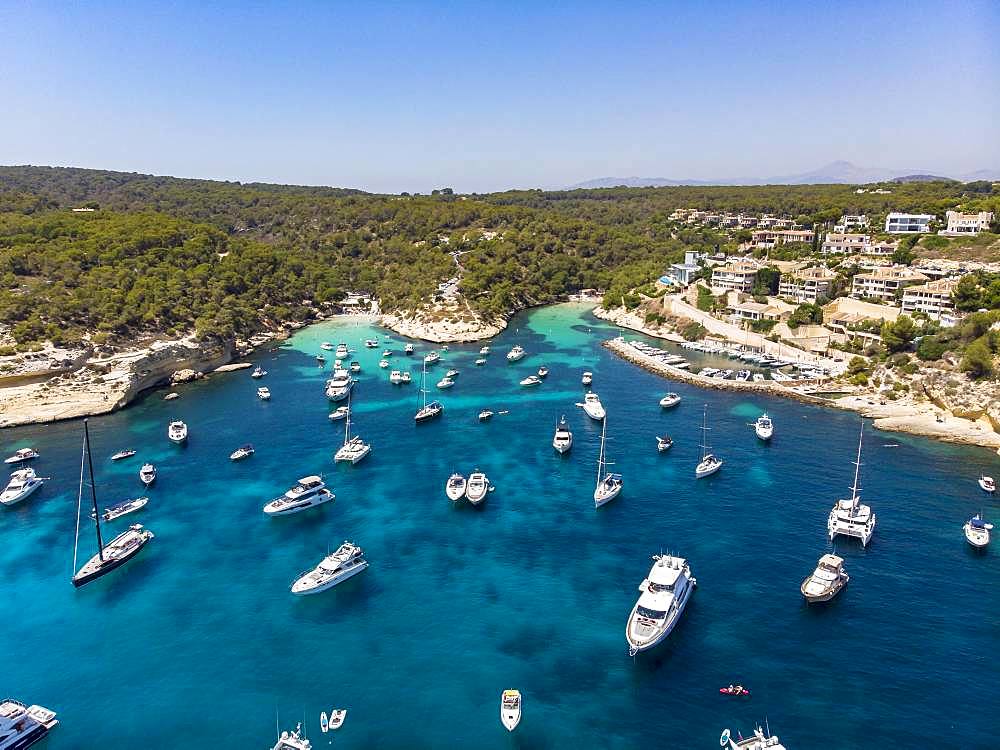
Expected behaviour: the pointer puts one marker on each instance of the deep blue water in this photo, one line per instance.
(198, 641)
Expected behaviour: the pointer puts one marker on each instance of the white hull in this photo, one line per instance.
(978, 538)
(594, 410)
(329, 584)
(312, 502)
(703, 470)
(346, 454)
(510, 709)
(476, 489)
(663, 595)
(563, 446)
(604, 495)
(454, 489)
(661, 633)
(764, 433)
(12, 498)
(987, 484)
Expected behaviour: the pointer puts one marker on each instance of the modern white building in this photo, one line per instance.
(885, 283)
(683, 273)
(754, 311)
(848, 244)
(899, 223)
(960, 225)
(806, 284)
(849, 222)
(735, 277)
(933, 298)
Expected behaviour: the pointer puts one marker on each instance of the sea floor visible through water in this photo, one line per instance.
(198, 641)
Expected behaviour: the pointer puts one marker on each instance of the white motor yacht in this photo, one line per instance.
(444, 383)
(531, 380)
(609, 485)
(127, 453)
(383, 363)
(587, 379)
(510, 709)
(826, 581)
(593, 407)
(22, 484)
(386, 353)
(264, 393)
(395, 377)
(22, 726)
(293, 741)
(336, 568)
(339, 413)
(663, 595)
(147, 474)
(339, 386)
(543, 372)
(477, 487)
(485, 415)
(710, 463)
(480, 362)
(764, 427)
(455, 487)
(850, 517)
(342, 351)
(244, 451)
(307, 493)
(123, 508)
(562, 441)
(664, 443)
(326, 346)
(177, 431)
(484, 351)
(355, 367)
(977, 531)
(408, 349)
(670, 400)
(371, 343)
(337, 717)
(758, 741)
(258, 372)
(24, 454)
(515, 354)
(405, 378)
(431, 358)
(987, 483)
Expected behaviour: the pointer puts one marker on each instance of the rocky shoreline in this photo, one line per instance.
(443, 323)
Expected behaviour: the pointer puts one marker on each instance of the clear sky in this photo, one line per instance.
(484, 96)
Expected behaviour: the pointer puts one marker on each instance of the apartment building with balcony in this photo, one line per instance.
(886, 283)
(847, 244)
(806, 284)
(933, 298)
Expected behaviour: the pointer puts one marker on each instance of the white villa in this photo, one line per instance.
(768, 238)
(899, 223)
(885, 283)
(933, 298)
(849, 222)
(806, 284)
(846, 243)
(960, 225)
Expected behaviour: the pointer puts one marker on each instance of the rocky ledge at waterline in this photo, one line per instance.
(443, 323)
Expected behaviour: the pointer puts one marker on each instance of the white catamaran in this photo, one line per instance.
(354, 448)
(850, 517)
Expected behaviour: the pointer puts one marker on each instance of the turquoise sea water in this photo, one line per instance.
(199, 642)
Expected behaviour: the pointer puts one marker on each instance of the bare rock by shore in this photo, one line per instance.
(443, 323)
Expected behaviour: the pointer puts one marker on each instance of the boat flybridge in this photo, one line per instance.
(455, 487)
(710, 463)
(758, 741)
(826, 581)
(764, 427)
(516, 353)
(663, 595)
(670, 400)
(293, 740)
(562, 441)
(22, 726)
(977, 531)
(119, 550)
(850, 517)
(609, 485)
(354, 448)
(429, 410)
(339, 386)
(24, 454)
(307, 493)
(342, 351)
(347, 561)
(510, 709)
(147, 474)
(593, 406)
(23, 483)
(177, 431)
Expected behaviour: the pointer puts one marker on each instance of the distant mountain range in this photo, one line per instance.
(837, 172)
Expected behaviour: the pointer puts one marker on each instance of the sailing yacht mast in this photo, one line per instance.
(704, 434)
(857, 467)
(600, 458)
(423, 384)
(93, 491)
(347, 423)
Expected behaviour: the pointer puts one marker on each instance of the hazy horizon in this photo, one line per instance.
(482, 98)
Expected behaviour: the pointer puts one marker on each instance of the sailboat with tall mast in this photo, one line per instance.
(119, 550)
(608, 484)
(429, 410)
(354, 448)
(851, 517)
(710, 463)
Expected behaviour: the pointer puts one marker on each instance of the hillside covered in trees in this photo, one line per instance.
(168, 255)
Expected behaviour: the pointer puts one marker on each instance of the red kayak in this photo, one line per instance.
(734, 691)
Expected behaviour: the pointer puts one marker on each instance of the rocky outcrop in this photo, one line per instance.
(450, 322)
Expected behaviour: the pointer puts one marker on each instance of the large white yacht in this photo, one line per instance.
(23, 454)
(758, 741)
(177, 431)
(293, 741)
(22, 483)
(307, 493)
(562, 441)
(339, 386)
(851, 517)
(664, 594)
(342, 351)
(22, 726)
(826, 581)
(593, 406)
(516, 353)
(764, 427)
(347, 561)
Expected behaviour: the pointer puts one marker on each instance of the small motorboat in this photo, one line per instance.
(516, 353)
(562, 440)
(455, 487)
(593, 407)
(764, 427)
(147, 474)
(484, 350)
(177, 431)
(326, 346)
(171, 396)
(342, 350)
(258, 372)
(510, 709)
(123, 508)
(587, 379)
(444, 348)
(395, 377)
(371, 343)
(24, 454)
(321, 359)
(977, 531)
(531, 380)
(387, 352)
(987, 483)
(127, 453)
(735, 690)
(670, 400)
(337, 717)
(431, 358)
(264, 394)
(408, 349)
(480, 362)
(485, 414)
(445, 382)
(355, 367)
(383, 363)
(826, 581)
(339, 413)
(244, 451)
(477, 487)
(664, 443)
(405, 378)
(451, 374)
(543, 372)
(324, 723)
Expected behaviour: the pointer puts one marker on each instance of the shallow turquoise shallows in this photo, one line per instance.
(199, 643)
